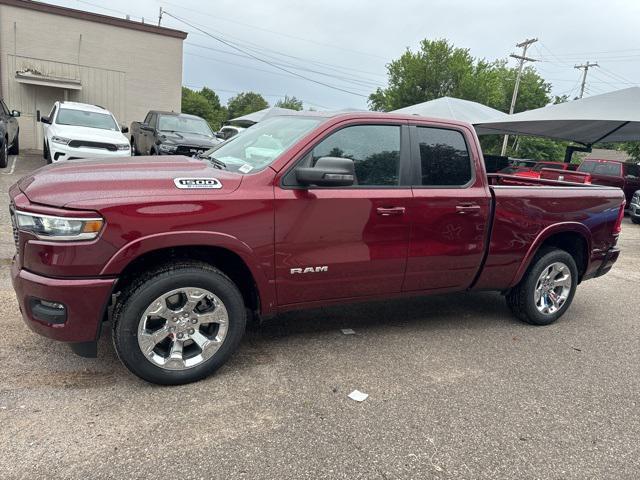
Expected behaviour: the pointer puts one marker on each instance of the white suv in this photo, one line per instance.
(78, 130)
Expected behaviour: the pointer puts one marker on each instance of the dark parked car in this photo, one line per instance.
(9, 133)
(170, 133)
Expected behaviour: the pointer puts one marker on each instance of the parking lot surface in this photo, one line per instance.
(457, 389)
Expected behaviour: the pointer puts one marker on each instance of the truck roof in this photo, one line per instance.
(372, 114)
(87, 107)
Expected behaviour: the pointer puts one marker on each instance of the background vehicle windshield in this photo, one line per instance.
(613, 169)
(259, 145)
(81, 118)
(175, 123)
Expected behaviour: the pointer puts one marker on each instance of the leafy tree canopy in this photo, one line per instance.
(205, 104)
(245, 103)
(440, 69)
(290, 102)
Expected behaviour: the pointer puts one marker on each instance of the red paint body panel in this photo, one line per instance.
(479, 236)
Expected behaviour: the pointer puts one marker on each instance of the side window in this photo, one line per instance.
(147, 119)
(52, 115)
(153, 121)
(374, 149)
(4, 108)
(444, 157)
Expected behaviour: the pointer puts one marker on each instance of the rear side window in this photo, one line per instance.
(612, 169)
(374, 149)
(444, 157)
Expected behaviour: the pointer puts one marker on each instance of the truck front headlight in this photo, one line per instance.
(123, 146)
(47, 227)
(168, 148)
(62, 140)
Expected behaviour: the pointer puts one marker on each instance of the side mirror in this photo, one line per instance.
(45, 119)
(124, 129)
(146, 127)
(15, 113)
(220, 135)
(328, 172)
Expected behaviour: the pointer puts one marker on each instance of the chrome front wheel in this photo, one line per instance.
(183, 328)
(552, 288)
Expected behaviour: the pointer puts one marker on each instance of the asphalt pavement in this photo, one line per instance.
(457, 389)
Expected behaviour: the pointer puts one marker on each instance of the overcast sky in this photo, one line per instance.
(347, 43)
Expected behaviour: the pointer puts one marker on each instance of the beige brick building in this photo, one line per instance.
(50, 53)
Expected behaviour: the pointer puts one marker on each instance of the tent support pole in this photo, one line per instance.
(574, 148)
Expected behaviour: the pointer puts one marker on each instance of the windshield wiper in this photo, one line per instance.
(218, 163)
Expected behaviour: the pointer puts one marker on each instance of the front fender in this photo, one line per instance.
(564, 227)
(159, 241)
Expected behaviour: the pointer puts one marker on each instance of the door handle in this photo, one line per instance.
(388, 211)
(464, 208)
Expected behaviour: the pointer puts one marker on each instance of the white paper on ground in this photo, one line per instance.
(358, 396)
(348, 331)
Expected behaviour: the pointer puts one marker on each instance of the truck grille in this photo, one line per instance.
(14, 227)
(85, 143)
(189, 151)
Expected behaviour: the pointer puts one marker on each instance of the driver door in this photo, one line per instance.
(346, 242)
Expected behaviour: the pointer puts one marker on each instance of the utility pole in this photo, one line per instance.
(523, 58)
(160, 16)
(585, 68)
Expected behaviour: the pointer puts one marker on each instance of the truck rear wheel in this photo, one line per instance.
(179, 323)
(547, 289)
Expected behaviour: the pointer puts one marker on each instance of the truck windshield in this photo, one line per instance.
(175, 123)
(258, 146)
(612, 169)
(82, 118)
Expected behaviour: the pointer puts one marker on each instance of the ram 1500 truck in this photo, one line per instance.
(171, 133)
(299, 211)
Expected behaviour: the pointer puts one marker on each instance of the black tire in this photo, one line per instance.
(153, 152)
(4, 154)
(521, 298)
(15, 148)
(45, 152)
(142, 293)
(636, 220)
(134, 149)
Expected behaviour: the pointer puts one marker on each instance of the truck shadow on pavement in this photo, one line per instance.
(290, 335)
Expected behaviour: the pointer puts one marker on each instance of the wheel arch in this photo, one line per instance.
(573, 237)
(234, 258)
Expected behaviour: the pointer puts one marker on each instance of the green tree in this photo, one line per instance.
(245, 103)
(205, 104)
(290, 102)
(440, 69)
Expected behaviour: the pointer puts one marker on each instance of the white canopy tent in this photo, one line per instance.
(454, 109)
(610, 117)
(255, 117)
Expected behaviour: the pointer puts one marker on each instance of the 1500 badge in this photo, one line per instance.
(189, 183)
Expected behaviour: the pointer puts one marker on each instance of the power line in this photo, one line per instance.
(229, 44)
(354, 80)
(282, 34)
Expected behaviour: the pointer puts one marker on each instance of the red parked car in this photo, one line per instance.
(299, 211)
(613, 173)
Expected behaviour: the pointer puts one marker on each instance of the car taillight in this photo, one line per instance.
(617, 228)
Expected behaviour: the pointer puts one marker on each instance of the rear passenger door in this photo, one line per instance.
(449, 210)
(346, 242)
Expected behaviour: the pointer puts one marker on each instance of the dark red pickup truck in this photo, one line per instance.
(298, 211)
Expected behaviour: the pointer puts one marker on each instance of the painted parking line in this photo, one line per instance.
(13, 166)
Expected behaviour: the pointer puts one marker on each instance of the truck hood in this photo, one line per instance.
(73, 181)
(89, 134)
(190, 139)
